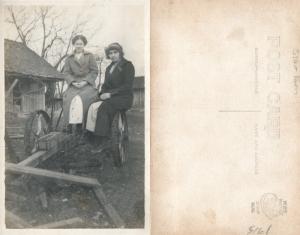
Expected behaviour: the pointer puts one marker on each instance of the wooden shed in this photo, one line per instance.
(26, 76)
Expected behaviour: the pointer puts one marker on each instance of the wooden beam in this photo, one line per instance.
(15, 221)
(13, 127)
(34, 159)
(17, 169)
(113, 214)
(17, 136)
(7, 93)
(62, 223)
(34, 77)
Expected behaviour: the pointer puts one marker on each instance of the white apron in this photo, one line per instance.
(92, 116)
(76, 110)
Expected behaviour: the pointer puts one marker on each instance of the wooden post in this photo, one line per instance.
(113, 214)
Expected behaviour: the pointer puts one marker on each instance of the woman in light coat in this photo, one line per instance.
(80, 71)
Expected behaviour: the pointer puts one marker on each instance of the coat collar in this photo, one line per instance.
(121, 63)
(81, 61)
(84, 52)
(119, 67)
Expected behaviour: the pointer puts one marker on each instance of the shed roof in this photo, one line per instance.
(21, 60)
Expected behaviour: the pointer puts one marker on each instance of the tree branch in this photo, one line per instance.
(18, 27)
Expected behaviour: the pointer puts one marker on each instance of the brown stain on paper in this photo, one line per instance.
(237, 34)
(210, 215)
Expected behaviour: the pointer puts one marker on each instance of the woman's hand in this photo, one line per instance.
(105, 96)
(75, 84)
(80, 84)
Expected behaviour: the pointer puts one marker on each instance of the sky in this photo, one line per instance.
(106, 23)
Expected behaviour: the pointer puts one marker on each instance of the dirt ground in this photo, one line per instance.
(124, 186)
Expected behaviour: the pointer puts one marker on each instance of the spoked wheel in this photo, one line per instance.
(37, 125)
(120, 139)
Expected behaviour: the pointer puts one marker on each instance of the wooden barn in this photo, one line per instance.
(139, 92)
(26, 76)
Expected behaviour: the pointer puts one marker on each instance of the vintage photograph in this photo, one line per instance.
(75, 115)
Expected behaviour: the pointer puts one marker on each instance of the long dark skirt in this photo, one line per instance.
(107, 111)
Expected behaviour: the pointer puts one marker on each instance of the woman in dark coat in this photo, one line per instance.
(81, 71)
(116, 93)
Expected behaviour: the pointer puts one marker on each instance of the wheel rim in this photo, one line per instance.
(40, 127)
(122, 139)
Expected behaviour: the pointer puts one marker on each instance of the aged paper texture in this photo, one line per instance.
(225, 121)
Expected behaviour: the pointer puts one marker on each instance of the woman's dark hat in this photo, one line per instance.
(114, 46)
(81, 37)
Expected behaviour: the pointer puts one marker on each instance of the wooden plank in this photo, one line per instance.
(40, 156)
(62, 223)
(34, 159)
(15, 221)
(17, 169)
(113, 214)
(16, 136)
(13, 127)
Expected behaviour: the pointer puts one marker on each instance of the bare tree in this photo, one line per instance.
(51, 33)
(77, 28)
(23, 23)
(56, 38)
(53, 38)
